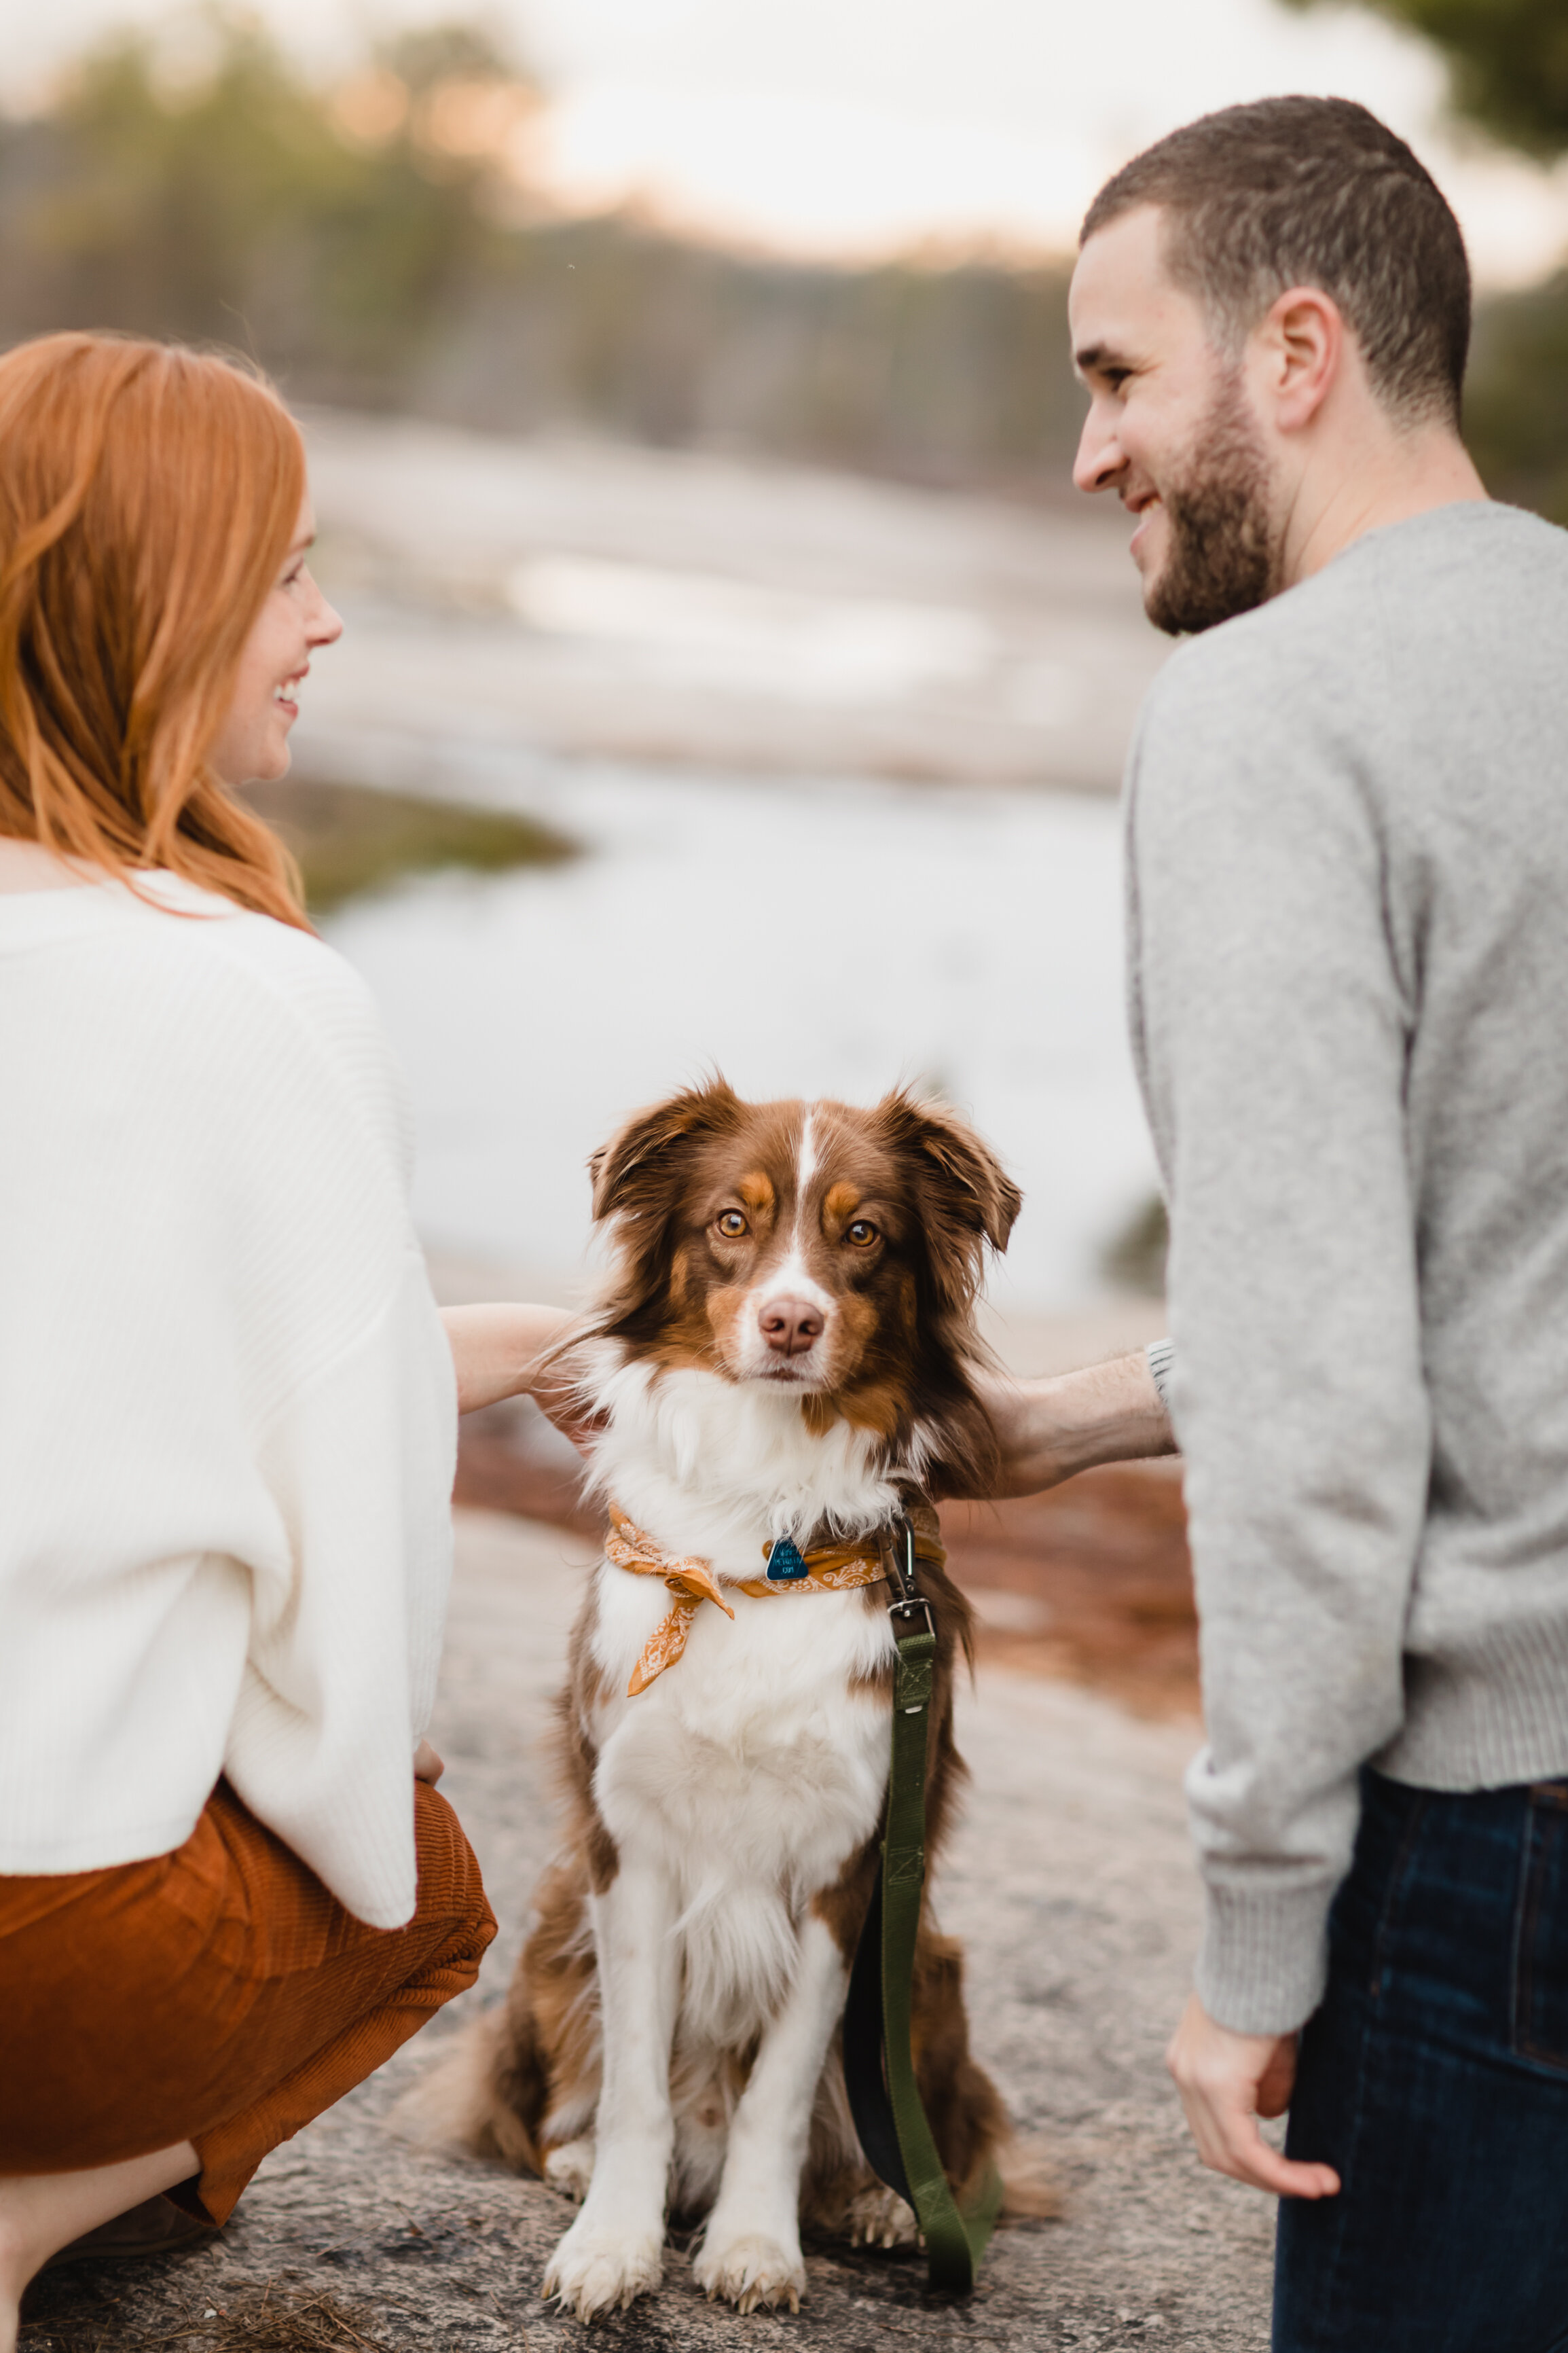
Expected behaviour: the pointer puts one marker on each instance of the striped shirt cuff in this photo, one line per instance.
(1162, 1355)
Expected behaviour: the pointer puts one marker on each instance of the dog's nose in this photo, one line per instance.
(789, 1325)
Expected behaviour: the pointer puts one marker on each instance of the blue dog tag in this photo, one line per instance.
(786, 1561)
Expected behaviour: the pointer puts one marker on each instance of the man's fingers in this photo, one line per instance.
(1240, 2150)
(1228, 2141)
(1278, 2080)
(1226, 2080)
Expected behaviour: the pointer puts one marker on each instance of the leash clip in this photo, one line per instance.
(909, 1609)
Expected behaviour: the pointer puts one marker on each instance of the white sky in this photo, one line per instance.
(854, 127)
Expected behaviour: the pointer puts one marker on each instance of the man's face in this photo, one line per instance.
(1170, 431)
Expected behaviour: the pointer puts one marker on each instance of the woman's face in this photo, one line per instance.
(252, 745)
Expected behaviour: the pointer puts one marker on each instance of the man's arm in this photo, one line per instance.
(1050, 1429)
(1273, 1004)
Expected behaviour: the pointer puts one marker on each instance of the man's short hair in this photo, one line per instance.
(1312, 192)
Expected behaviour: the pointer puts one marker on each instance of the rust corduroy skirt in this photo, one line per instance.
(218, 1995)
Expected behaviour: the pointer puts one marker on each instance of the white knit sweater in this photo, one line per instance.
(227, 1413)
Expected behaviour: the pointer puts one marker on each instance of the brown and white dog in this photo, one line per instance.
(785, 1350)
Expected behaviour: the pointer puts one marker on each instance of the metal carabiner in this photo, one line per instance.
(908, 1605)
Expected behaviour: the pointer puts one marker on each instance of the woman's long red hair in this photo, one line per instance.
(148, 498)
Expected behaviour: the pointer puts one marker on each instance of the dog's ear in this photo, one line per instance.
(966, 1195)
(963, 1176)
(632, 1172)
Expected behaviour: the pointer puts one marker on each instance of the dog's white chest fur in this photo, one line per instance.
(755, 1765)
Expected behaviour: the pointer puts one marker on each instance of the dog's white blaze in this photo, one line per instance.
(739, 1780)
(804, 1169)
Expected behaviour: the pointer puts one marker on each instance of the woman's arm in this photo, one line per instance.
(1051, 1428)
(497, 1349)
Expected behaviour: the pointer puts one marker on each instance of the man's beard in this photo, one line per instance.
(1224, 548)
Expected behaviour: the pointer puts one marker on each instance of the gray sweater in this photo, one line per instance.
(1348, 879)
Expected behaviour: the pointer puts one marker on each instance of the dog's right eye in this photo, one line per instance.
(731, 1225)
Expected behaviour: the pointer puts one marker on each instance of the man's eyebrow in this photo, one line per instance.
(1096, 356)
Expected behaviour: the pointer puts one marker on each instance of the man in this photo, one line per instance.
(1348, 838)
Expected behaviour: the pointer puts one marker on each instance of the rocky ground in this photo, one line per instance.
(1073, 1890)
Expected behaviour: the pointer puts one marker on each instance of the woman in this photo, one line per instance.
(228, 1407)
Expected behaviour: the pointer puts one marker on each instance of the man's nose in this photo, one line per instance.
(1100, 457)
(789, 1325)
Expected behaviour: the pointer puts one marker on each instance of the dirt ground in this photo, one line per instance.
(1072, 1888)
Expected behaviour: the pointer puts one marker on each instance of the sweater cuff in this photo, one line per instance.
(1263, 1964)
(1162, 1355)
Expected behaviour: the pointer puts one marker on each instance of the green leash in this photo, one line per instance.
(879, 2062)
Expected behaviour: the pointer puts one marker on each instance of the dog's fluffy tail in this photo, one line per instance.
(453, 2105)
(1031, 2187)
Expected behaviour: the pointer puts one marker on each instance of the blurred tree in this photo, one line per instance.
(1508, 60)
(233, 204)
(1516, 398)
(379, 244)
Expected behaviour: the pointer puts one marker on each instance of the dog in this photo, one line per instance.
(785, 1359)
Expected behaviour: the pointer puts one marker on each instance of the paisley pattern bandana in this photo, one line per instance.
(829, 1569)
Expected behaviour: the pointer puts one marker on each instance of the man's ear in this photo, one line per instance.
(632, 1170)
(1304, 348)
(971, 1198)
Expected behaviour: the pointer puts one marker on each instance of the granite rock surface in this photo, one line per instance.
(1071, 1885)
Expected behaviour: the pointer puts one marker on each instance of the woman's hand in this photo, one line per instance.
(498, 1349)
(1049, 1430)
(428, 1766)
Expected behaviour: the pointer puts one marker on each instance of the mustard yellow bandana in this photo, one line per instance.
(829, 1569)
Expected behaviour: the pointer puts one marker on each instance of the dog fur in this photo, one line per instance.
(786, 1346)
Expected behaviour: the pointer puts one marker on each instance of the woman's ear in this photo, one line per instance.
(632, 1170)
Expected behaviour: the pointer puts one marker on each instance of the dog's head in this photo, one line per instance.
(831, 1252)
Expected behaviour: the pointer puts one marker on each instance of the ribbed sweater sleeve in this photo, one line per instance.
(1271, 1030)
(227, 1416)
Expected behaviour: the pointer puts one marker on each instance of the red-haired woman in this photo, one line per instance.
(228, 1407)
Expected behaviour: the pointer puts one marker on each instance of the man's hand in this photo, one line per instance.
(1050, 1429)
(1226, 2081)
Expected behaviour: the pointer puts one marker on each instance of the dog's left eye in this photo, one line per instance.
(862, 1233)
(732, 1224)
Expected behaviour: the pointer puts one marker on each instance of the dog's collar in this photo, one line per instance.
(825, 1567)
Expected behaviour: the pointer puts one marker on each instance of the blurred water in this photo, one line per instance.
(813, 938)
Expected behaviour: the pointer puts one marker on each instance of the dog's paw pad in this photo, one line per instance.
(570, 2167)
(751, 2269)
(879, 2218)
(602, 2270)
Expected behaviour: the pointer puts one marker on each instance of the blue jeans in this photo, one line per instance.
(1434, 2079)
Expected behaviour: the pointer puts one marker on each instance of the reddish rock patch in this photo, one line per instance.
(1090, 1581)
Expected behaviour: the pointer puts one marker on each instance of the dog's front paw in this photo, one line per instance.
(571, 2167)
(878, 2217)
(595, 2268)
(749, 2268)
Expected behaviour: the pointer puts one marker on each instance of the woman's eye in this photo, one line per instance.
(861, 1232)
(732, 1224)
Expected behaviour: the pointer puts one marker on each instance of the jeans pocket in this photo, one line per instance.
(1541, 1932)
